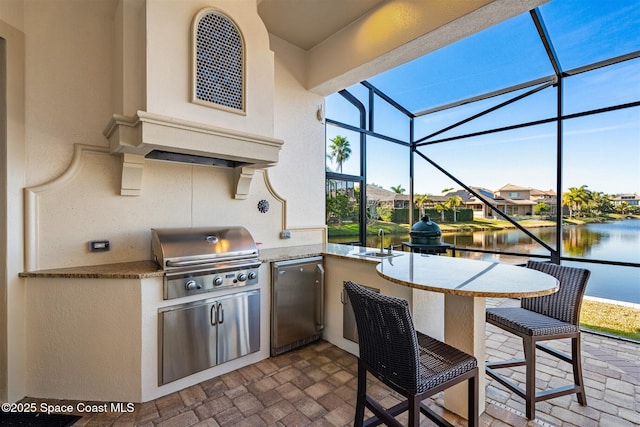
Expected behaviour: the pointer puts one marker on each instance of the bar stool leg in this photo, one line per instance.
(530, 377)
(576, 358)
(361, 396)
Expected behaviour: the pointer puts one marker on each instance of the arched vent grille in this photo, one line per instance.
(219, 62)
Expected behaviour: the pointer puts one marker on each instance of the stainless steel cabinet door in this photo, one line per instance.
(238, 325)
(196, 336)
(188, 340)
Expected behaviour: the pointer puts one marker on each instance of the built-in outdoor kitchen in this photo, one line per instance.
(153, 330)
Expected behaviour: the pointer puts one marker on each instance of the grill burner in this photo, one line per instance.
(198, 260)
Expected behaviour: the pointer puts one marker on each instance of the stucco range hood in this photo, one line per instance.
(153, 136)
(165, 110)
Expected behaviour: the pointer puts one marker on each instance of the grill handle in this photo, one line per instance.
(200, 261)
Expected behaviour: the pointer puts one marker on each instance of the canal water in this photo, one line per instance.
(611, 241)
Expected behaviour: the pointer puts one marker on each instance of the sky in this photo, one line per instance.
(601, 151)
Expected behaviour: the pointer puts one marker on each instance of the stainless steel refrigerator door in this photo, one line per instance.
(238, 325)
(297, 300)
(188, 340)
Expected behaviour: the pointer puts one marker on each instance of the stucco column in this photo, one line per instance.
(464, 328)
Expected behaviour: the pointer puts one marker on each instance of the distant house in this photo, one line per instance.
(480, 209)
(511, 199)
(629, 199)
(515, 200)
(387, 198)
(549, 197)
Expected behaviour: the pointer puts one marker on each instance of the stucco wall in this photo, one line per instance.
(88, 337)
(68, 81)
(299, 177)
(70, 93)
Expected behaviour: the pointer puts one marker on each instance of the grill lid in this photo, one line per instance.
(193, 247)
(425, 232)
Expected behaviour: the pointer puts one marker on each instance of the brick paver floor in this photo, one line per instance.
(316, 386)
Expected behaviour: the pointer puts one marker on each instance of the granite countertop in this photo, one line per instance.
(122, 270)
(291, 252)
(147, 269)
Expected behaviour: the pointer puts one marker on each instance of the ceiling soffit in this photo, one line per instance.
(306, 23)
(345, 46)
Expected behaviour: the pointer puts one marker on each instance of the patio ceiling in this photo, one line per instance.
(349, 41)
(306, 23)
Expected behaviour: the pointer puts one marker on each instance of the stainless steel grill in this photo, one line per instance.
(198, 260)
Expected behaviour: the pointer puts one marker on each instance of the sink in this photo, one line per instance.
(378, 254)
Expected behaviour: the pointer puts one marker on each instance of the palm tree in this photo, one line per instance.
(340, 150)
(453, 202)
(398, 189)
(622, 208)
(567, 200)
(441, 207)
(420, 200)
(596, 203)
(326, 167)
(575, 198)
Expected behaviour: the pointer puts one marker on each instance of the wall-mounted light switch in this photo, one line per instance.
(99, 245)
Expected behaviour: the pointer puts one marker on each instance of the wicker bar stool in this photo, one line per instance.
(413, 364)
(549, 317)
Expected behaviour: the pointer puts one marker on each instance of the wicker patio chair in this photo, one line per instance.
(413, 364)
(549, 317)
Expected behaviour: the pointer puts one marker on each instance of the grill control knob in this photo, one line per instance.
(217, 281)
(252, 275)
(191, 285)
(242, 277)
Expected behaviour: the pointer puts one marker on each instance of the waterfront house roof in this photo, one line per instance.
(513, 187)
(378, 193)
(626, 197)
(542, 193)
(437, 198)
(467, 197)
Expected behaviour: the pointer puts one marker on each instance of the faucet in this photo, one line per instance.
(381, 233)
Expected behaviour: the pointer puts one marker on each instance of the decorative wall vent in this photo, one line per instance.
(218, 51)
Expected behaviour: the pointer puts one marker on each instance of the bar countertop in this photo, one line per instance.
(466, 277)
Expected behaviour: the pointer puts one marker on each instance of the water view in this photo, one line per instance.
(611, 241)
